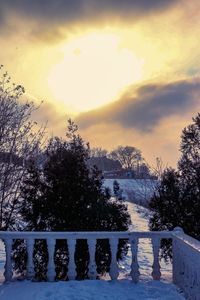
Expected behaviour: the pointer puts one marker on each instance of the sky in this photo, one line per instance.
(127, 72)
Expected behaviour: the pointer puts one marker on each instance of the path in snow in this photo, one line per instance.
(140, 217)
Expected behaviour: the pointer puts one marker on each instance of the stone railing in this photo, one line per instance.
(186, 255)
(186, 264)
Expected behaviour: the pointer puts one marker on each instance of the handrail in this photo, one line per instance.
(187, 239)
(186, 264)
(83, 234)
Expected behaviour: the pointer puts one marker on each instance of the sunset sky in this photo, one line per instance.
(128, 72)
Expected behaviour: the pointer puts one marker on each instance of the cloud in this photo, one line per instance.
(162, 142)
(145, 107)
(150, 117)
(70, 10)
(43, 16)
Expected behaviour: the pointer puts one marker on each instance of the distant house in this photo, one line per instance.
(130, 174)
(143, 171)
(115, 174)
(113, 169)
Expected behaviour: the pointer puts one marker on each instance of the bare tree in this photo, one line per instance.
(146, 187)
(158, 169)
(129, 157)
(20, 140)
(98, 152)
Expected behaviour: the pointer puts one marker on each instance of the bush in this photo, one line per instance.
(177, 200)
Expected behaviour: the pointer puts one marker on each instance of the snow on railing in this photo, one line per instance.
(186, 255)
(186, 264)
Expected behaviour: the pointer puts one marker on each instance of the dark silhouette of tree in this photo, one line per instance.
(177, 200)
(117, 190)
(129, 157)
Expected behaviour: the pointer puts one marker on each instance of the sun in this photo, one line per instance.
(93, 71)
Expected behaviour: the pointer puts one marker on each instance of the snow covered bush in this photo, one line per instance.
(117, 191)
(65, 195)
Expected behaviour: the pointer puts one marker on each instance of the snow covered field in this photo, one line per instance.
(136, 190)
(123, 289)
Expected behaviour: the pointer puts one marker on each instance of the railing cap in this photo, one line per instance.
(84, 235)
(178, 229)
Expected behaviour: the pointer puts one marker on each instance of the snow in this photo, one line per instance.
(89, 290)
(139, 217)
(123, 289)
(136, 190)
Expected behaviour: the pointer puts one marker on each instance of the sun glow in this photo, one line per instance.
(93, 71)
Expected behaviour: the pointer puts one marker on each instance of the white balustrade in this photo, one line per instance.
(134, 265)
(30, 265)
(114, 273)
(8, 266)
(186, 264)
(92, 263)
(156, 265)
(71, 264)
(186, 255)
(51, 265)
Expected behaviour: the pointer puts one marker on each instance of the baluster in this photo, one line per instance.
(175, 265)
(92, 263)
(8, 265)
(71, 265)
(114, 266)
(51, 265)
(156, 265)
(134, 265)
(176, 250)
(30, 265)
